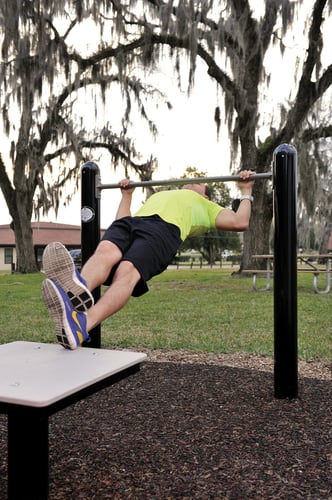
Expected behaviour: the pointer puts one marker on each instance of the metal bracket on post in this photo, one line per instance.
(90, 228)
(98, 185)
(285, 272)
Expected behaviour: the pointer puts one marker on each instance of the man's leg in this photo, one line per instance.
(116, 296)
(72, 327)
(59, 267)
(97, 269)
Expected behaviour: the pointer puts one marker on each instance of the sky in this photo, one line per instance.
(187, 137)
(187, 134)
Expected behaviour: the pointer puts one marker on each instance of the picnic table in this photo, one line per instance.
(36, 381)
(307, 263)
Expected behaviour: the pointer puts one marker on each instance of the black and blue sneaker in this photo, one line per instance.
(59, 267)
(70, 325)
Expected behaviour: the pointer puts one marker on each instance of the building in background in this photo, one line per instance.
(43, 234)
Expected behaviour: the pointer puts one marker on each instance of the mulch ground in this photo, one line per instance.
(191, 431)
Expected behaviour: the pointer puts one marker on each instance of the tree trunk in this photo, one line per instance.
(26, 259)
(324, 243)
(256, 241)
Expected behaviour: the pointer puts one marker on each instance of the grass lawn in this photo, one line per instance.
(197, 310)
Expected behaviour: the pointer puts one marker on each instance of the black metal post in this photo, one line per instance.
(285, 272)
(27, 454)
(90, 229)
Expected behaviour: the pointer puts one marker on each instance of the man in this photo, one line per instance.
(132, 251)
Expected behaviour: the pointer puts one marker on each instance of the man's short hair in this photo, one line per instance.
(208, 192)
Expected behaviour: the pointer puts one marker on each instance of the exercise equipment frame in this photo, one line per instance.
(284, 185)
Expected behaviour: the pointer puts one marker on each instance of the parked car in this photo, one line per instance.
(76, 255)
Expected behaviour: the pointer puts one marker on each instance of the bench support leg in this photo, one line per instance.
(27, 455)
(268, 282)
(328, 283)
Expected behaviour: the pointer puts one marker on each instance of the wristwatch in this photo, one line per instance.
(247, 197)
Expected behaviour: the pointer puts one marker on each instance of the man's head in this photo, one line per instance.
(202, 189)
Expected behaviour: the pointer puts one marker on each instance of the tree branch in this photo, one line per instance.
(308, 91)
(6, 187)
(311, 134)
(114, 150)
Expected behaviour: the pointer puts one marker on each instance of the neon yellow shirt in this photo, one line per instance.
(189, 211)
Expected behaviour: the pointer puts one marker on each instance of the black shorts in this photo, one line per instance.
(149, 243)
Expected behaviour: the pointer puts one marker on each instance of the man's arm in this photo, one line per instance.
(239, 220)
(124, 208)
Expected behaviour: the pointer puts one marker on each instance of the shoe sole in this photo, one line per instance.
(60, 268)
(55, 306)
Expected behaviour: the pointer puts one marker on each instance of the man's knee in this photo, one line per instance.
(107, 250)
(127, 269)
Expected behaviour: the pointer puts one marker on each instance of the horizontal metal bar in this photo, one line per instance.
(194, 180)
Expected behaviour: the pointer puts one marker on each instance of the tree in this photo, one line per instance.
(212, 244)
(43, 83)
(233, 42)
(227, 38)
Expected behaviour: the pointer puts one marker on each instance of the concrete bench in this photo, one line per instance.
(36, 381)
